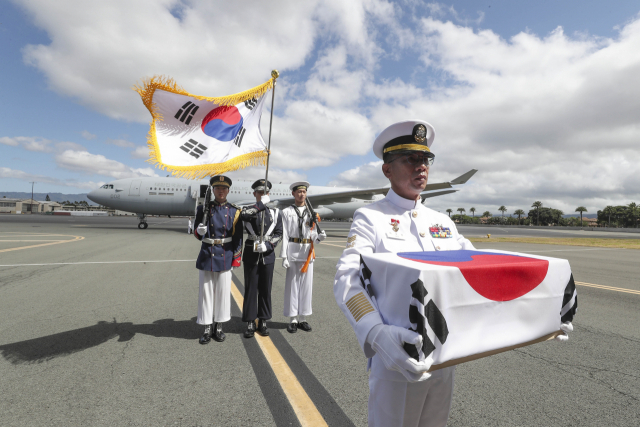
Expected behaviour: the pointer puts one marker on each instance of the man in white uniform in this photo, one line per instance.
(298, 234)
(401, 392)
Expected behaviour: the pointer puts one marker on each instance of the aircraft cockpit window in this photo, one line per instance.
(110, 186)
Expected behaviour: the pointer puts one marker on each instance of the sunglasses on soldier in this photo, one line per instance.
(417, 158)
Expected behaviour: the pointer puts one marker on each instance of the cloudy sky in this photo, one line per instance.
(543, 98)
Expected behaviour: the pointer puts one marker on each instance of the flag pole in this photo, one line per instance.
(274, 75)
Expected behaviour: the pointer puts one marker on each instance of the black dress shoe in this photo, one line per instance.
(262, 328)
(218, 335)
(292, 328)
(304, 326)
(251, 328)
(206, 336)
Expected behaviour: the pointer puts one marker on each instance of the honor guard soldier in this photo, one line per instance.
(298, 233)
(401, 391)
(220, 230)
(259, 259)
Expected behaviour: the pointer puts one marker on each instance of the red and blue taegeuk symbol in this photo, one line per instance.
(222, 123)
(495, 276)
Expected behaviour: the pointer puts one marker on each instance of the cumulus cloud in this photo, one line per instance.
(7, 173)
(85, 162)
(120, 143)
(140, 153)
(27, 142)
(543, 117)
(367, 175)
(88, 135)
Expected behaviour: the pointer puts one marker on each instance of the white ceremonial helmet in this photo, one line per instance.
(412, 135)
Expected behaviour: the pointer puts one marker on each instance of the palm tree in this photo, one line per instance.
(581, 209)
(607, 211)
(486, 214)
(537, 205)
(519, 212)
(503, 210)
(461, 210)
(449, 212)
(473, 212)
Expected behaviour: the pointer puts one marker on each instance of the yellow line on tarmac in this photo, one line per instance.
(609, 288)
(76, 238)
(305, 410)
(329, 244)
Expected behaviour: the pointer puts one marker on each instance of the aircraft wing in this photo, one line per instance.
(369, 193)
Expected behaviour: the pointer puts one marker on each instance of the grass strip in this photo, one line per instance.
(599, 243)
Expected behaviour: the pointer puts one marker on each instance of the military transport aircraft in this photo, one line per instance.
(180, 196)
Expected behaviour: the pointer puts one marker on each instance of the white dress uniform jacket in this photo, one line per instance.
(374, 231)
(291, 230)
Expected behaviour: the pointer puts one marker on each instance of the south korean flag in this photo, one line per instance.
(426, 320)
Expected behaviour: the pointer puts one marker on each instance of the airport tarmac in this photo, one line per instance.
(97, 327)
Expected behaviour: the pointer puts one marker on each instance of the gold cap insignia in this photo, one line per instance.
(420, 133)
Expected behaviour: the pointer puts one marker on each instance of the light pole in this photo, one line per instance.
(31, 202)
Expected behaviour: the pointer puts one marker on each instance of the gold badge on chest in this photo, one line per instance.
(395, 230)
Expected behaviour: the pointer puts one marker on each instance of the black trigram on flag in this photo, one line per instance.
(569, 302)
(193, 148)
(365, 280)
(250, 103)
(185, 114)
(239, 136)
(421, 315)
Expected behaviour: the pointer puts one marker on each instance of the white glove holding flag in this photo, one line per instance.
(565, 327)
(285, 263)
(387, 342)
(265, 199)
(262, 247)
(202, 229)
(465, 243)
(322, 236)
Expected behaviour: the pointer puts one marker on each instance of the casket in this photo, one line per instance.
(470, 304)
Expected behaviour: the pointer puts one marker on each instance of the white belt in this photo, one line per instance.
(255, 237)
(217, 241)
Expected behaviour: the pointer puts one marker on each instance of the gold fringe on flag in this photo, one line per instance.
(146, 91)
(312, 252)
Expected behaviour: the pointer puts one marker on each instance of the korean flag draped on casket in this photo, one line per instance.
(195, 136)
(470, 304)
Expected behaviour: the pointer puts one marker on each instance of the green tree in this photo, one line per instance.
(473, 212)
(449, 212)
(537, 205)
(633, 212)
(581, 209)
(461, 210)
(518, 212)
(503, 210)
(47, 199)
(486, 214)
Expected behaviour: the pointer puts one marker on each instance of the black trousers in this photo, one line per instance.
(257, 291)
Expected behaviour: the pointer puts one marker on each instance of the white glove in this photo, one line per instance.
(565, 327)
(322, 236)
(265, 199)
(465, 243)
(285, 263)
(262, 247)
(202, 229)
(387, 342)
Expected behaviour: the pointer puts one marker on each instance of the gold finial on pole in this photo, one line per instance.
(275, 74)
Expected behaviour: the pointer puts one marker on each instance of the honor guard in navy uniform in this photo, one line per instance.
(401, 391)
(220, 230)
(259, 258)
(298, 232)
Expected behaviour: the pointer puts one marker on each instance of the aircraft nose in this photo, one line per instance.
(93, 196)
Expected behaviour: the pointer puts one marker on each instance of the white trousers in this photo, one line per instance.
(297, 290)
(214, 300)
(401, 403)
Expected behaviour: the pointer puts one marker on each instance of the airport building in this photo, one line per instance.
(22, 206)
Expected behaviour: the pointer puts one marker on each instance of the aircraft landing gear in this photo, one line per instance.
(143, 224)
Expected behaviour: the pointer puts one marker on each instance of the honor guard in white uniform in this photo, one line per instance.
(401, 392)
(259, 259)
(220, 230)
(298, 235)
